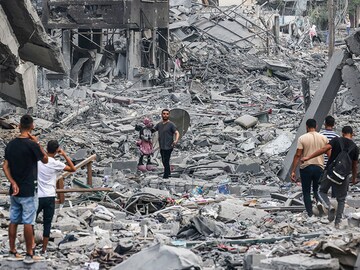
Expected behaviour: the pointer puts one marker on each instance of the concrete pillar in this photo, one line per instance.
(320, 105)
(277, 30)
(154, 48)
(133, 54)
(66, 47)
(305, 87)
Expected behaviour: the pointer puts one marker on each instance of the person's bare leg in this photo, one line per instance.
(12, 236)
(45, 243)
(33, 240)
(28, 233)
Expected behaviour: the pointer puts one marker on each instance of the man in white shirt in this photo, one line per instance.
(47, 186)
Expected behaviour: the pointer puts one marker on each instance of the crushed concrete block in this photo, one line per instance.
(23, 92)
(233, 209)
(80, 243)
(300, 261)
(36, 45)
(80, 155)
(248, 165)
(280, 145)
(263, 190)
(353, 201)
(252, 260)
(105, 225)
(19, 265)
(246, 121)
(156, 192)
(352, 42)
(67, 224)
(125, 165)
(101, 216)
(351, 77)
(126, 128)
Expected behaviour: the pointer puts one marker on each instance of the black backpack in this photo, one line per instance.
(340, 168)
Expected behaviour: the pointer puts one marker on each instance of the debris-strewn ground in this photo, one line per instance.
(224, 201)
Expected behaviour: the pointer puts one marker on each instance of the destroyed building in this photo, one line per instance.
(228, 204)
(109, 38)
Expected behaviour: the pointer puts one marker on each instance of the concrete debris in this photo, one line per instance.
(237, 93)
(169, 257)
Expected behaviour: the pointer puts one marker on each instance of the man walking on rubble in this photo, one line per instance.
(167, 130)
(330, 134)
(47, 174)
(337, 145)
(310, 171)
(20, 168)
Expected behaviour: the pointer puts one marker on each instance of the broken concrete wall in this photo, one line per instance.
(35, 44)
(9, 56)
(23, 92)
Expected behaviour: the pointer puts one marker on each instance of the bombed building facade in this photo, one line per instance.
(114, 38)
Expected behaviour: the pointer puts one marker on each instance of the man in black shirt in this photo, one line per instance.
(167, 130)
(340, 191)
(20, 168)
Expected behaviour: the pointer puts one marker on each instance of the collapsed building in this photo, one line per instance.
(109, 38)
(225, 206)
(24, 42)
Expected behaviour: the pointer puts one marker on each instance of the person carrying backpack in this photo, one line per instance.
(342, 163)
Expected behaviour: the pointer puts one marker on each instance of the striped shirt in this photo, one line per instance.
(330, 134)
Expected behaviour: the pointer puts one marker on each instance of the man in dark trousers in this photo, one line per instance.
(329, 133)
(340, 191)
(310, 171)
(20, 168)
(167, 130)
(47, 174)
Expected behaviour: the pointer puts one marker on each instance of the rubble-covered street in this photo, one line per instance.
(226, 204)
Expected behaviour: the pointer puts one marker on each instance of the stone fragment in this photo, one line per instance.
(352, 42)
(125, 165)
(233, 209)
(263, 190)
(299, 261)
(248, 165)
(156, 192)
(246, 121)
(82, 242)
(252, 260)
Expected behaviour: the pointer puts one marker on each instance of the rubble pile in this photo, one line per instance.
(224, 206)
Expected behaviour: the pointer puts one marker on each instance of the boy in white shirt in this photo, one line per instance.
(47, 186)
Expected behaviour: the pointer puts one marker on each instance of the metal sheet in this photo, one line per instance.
(181, 119)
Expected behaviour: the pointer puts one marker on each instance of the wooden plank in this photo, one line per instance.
(69, 190)
(77, 166)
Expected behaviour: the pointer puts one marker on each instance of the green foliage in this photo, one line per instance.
(319, 16)
(353, 4)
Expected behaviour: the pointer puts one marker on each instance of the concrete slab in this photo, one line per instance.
(23, 92)
(263, 190)
(233, 209)
(352, 43)
(19, 265)
(246, 121)
(9, 45)
(248, 165)
(252, 260)
(125, 165)
(300, 261)
(351, 77)
(35, 44)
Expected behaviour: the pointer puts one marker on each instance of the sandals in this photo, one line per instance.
(15, 256)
